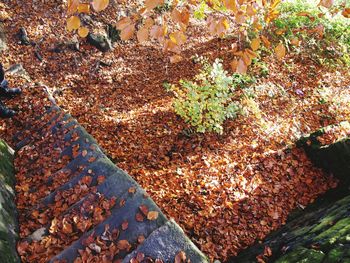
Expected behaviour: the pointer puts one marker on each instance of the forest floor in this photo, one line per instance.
(226, 191)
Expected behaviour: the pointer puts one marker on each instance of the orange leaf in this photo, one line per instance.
(255, 44)
(266, 42)
(72, 6)
(84, 8)
(180, 257)
(127, 32)
(73, 23)
(280, 51)
(231, 5)
(123, 244)
(99, 5)
(175, 59)
(142, 34)
(152, 215)
(178, 37)
(326, 3)
(150, 4)
(241, 67)
(234, 64)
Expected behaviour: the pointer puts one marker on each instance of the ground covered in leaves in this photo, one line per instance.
(226, 191)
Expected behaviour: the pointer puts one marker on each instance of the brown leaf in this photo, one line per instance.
(139, 217)
(280, 51)
(123, 244)
(180, 257)
(99, 5)
(144, 209)
(152, 215)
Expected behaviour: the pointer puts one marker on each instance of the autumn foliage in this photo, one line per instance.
(247, 19)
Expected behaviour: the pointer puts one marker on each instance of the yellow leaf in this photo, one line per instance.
(72, 6)
(100, 5)
(280, 51)
(83, 31)
(225, 23)
(178, 37)
(275, 3)
(73, 23)
(150, 4)
(171, 46)
(127, 32)
(152, 215)
(255, 44)
(142, 34)
(84, 8)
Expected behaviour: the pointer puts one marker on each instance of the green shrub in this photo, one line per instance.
(207, 101)
(333, 47)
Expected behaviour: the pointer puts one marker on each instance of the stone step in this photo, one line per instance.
(69, 175)
(63, 122)
(114, 230)
(33, 130)
(165, 244)
(115, 187)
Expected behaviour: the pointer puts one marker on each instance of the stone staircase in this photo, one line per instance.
(75, 205)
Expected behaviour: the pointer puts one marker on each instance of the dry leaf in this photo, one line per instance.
(175, 59)
(73, 23)
(152, 215)
(255, 44)
(280, 51)
(99, 5)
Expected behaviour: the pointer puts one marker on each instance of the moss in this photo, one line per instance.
(302, 255)
(8, 216)
(336, 234)
(335, 255)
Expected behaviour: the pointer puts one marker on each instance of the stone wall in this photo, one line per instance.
(8, 216)
(321, 232)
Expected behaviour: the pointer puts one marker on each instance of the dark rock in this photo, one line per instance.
(18, 70)
(113, 33)
(334, 158)
(3, 45)
(39, 234)
(101, 42)
(23, 37)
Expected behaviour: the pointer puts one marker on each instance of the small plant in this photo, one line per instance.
(207, 101)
